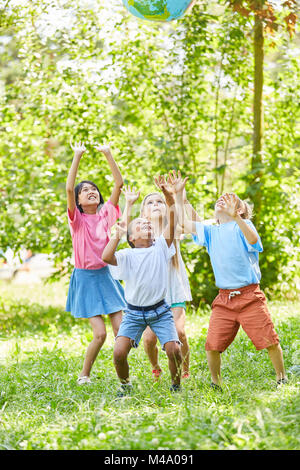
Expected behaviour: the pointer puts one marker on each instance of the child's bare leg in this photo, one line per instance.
(150, 346)
(173, 351)
(115, 320)
(121, 351)
(214, 364)
(276, 356)
(179, 318)
(99, 336)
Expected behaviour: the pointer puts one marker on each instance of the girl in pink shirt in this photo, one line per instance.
(92, 291)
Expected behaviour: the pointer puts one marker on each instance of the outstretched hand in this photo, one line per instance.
(131, 194)
(165, 186)
(176, 181)
(78, 147)
(161, 181)
(120, 228)
(229, 204)
(103, 148)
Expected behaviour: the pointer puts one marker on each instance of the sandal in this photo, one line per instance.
(186, 375)
(124, 390)
(282, 381)
(175, 388)
(216, 387)
(83, 380)
(156, 373)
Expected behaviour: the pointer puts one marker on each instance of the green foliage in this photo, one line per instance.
(166, 96)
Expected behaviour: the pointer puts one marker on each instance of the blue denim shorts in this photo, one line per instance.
(160, 320)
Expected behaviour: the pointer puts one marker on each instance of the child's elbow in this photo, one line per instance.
(69, 189)
(254, 240)
(120, 183)
(109, 260)
(105, 259)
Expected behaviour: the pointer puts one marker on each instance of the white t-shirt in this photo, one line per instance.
(145, 272)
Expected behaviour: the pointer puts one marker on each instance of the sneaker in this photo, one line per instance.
(124, 390)
(216, 387)
(175, 388)
(83, 380)
(282, 381)
(156, 373)
(186, 375)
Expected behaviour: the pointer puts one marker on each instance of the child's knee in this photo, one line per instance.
(274, 347)
(119, 355)
(121, 351)
(173, 350)
(100, 336)
(149, 341)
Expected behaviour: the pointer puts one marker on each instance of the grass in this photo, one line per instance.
(41, 406)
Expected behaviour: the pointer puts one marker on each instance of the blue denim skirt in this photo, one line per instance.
(94, 292)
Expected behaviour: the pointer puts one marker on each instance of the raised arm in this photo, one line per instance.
(178, 184)
(189, 210)
(164, 180)
(188, 213)
(115, 195)
(231, 208)
(79, 150)
(169, 231)
(108, 255)
(131, 196)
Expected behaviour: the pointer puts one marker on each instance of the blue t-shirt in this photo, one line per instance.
(234, 260)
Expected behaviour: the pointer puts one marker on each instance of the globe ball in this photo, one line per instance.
(158, 10)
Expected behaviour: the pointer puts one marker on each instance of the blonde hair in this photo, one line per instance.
(175, 258)
(247, 209)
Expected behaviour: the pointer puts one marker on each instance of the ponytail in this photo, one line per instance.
(246, 207)
(247, 210)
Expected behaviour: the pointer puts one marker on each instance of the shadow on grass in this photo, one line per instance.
(23, 317)
(43, 403)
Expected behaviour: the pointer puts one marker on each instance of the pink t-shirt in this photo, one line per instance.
(90, 235)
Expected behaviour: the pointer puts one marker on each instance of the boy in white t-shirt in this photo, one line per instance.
(144, 268)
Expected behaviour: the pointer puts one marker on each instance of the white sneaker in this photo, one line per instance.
(83, 380)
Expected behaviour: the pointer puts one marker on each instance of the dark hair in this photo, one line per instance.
(128, 237)
(78, 189)
(132, 245)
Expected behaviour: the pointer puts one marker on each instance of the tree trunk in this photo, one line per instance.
(256, 163)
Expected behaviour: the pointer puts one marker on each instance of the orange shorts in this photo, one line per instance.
(244, 306)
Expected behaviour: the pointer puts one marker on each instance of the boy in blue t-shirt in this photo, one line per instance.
(233, 246)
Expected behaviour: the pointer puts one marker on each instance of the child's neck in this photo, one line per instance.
(224, 219)
(89, 210)
(143, 243)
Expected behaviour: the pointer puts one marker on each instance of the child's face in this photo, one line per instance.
(219, 206)
(140, 230)
(88, 196)
(154, 207)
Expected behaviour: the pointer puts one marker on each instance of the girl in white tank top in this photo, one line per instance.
(154, 208)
